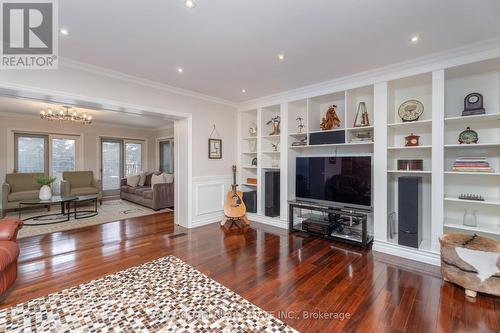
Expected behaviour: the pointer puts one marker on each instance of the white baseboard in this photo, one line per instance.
(428, 257)
(275, 222)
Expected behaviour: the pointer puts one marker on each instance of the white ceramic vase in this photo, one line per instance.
(45, 193)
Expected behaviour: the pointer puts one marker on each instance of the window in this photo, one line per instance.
(133, 158)
(31, 153)
(48, 153)
(62, 157)
(167, 156)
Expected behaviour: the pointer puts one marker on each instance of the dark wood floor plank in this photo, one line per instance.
(291, 275)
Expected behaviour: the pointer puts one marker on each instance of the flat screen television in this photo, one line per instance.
(343, 180)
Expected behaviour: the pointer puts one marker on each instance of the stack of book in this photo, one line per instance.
(472, 164)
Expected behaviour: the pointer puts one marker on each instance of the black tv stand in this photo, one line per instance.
(345, 224)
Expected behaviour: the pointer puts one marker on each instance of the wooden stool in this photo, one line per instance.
(233, 221)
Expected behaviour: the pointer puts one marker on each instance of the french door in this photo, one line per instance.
(119, 158)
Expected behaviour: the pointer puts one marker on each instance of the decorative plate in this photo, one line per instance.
(468, 136)
(411, 110)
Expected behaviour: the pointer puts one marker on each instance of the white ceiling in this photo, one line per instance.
(33, 108)
(227, 45)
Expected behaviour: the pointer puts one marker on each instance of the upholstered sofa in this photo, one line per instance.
(9, 252)
(18, 187)
(158, 197)
(77, 183)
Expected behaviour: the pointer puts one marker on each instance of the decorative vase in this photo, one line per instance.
(45, 193)
(252, 146)
(470, 218)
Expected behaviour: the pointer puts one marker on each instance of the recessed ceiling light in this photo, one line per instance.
(415, 38)
(64, 31)
(243, 91)
(180, 70)
(190, 3)
(281, 57)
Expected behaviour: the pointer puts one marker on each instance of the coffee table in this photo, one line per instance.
(83, 214)
(57, 199)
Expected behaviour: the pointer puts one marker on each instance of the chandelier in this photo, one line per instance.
(66, 115)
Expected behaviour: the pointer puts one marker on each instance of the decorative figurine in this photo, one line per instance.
(300, 126)
(331, 120)
(275, 121)
(275, 146)
(473, 105)
(468, 136)
(365, 121)
(252, 130)
(410, 110)
(254, 161)
(412, 140)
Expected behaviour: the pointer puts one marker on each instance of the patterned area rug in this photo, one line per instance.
(165, 295)
(110, 211)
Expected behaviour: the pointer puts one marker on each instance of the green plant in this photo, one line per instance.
(44, 180)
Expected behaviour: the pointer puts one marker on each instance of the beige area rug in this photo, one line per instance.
(110, 211)
(164, 295)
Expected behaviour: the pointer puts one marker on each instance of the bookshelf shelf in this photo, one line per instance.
(477, 118)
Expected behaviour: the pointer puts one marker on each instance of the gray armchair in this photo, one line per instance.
(18, 187)
(77, 183)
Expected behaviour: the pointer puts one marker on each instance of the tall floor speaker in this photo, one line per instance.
(272, 193)
(409, 211)
(250, 200)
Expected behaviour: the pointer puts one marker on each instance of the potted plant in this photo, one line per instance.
(45, 190)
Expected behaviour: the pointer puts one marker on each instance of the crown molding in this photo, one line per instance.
(70, 63)
(480, 51)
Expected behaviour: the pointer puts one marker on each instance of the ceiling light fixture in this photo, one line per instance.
(281, 57)
(66, 115)
(415, 38)
(243, 91)
(64, 32)
(180, 70)
(190, 3)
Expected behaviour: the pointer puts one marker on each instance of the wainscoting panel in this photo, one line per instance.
(209, 196)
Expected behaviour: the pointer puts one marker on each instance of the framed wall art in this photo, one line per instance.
(214, 145)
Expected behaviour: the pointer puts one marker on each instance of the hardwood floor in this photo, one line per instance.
(292, 275)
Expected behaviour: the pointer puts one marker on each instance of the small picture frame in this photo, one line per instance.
(214, 149)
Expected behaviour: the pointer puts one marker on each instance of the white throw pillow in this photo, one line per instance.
(157, 179)
(142, 181)
(169, 177)
(133, 180)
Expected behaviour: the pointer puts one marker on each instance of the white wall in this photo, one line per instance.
(89, 139)
(75, 85)
(71, 81)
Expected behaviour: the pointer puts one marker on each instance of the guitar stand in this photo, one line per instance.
(228, 222)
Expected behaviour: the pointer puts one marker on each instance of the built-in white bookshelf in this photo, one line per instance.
(247, 148)
(442, 93)
(417, 88)
(483, 78)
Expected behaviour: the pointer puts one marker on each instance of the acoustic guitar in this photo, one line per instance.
(235, 208)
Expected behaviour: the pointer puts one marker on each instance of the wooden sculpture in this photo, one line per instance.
(331, 119)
